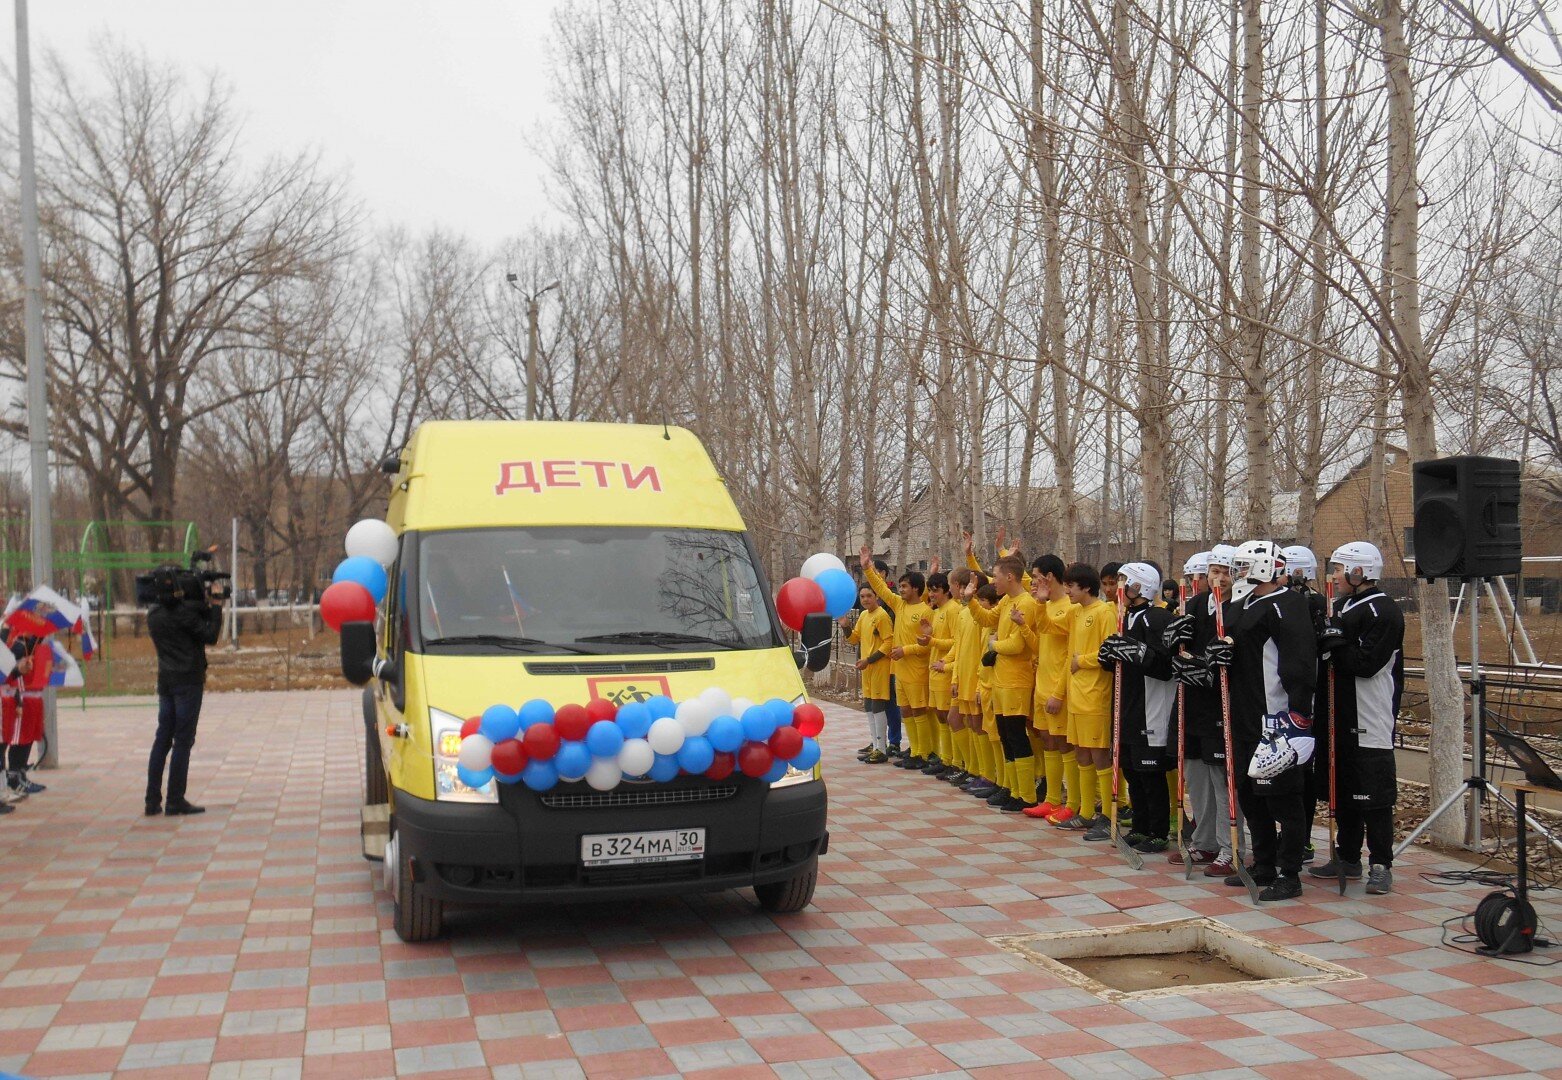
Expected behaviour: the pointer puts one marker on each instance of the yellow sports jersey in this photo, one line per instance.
(1089, 688)
(946, 623)
(966, 656)
(872, 633)
(1052, 652)
(1016, 643)
(912, 667)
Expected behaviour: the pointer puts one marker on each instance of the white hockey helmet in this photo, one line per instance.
(1197, 565)
(1359, 555)
(1300, 560)
(1143, 575)
(1259, 561)
(1221, 555)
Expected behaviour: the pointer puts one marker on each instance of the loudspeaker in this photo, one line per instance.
(1466, 517)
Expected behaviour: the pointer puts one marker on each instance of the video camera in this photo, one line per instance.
(171, 583)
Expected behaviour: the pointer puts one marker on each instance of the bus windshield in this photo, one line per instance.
(590, 590)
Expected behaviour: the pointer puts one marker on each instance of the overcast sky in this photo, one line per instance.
(426, 106)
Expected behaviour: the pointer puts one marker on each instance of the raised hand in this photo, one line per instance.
(967, 543)
(1017, 615)
(865, 556)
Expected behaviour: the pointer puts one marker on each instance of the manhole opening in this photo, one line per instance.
(1181, 957)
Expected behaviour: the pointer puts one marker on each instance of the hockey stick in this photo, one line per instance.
(1130, 856)
(1231, 758)
(1334, 731)
(1182, 789)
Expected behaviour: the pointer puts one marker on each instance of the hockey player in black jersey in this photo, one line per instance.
(1273, 656)
(1301, 571)
(1148, 696)
(1364, 641)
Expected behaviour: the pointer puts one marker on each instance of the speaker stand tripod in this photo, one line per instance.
(1476, 785)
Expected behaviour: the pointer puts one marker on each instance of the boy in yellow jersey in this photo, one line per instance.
(872, 634)
(1052, 678)
(908, 657)
(939, 634)
(948, 619)
(965, 661)
(1015, 622)
(996, 791)
(1090, 621)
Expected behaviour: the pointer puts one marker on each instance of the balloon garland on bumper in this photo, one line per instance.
(711, 735)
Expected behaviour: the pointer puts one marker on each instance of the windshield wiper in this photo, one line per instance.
(507, 641)
(670, 638)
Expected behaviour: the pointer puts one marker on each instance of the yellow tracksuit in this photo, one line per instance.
(911, 670)
(871, 634)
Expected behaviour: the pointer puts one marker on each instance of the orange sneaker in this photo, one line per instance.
(1063, 813)
(1041, 810)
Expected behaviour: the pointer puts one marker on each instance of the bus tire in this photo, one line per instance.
(417, 917)
(791, 895)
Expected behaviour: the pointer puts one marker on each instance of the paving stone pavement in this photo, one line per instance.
(254, 942)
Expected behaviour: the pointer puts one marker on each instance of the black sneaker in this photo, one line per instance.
(1151, 845)
(935, 768)
(1100, 829)
(1308, 853)
(909, 762)
(1134, 839)
(1261, 875)
(896, 752)
(865, 750)
(1125, 815)
(981, 790)
(958, 777)
(1014, 805)
(998, 797)
(1288, 887)
(1331, 869)
(153, 809)
(875, 758)
(180, 809)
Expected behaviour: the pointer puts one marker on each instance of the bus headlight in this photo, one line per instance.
(445, 730)
(797, 776)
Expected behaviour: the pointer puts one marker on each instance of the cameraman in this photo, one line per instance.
(186, 618)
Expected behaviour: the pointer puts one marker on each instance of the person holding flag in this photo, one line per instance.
(21, 707)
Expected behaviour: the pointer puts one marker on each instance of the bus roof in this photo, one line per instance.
(462, 474)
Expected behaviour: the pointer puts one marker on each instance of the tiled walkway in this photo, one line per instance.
(252, 942)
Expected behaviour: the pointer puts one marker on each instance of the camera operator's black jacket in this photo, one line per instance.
(181, 631)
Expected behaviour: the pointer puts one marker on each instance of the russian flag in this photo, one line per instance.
(49, 605)
(83, 627)
(65, 673)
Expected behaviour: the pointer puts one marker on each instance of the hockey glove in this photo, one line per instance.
(1294, 730)
(1331, 637)
(1120, 649)
(1178, 632)
(1218, 653)
(1192, 671)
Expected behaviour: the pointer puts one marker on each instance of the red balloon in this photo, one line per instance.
(600, 709)
(541, 742)
(808, 719)
(797, 598)
(755, 759)
(509, 757)
(571, 722)
(471, 726)
(345, 602)
(722, 766)
(786, 743)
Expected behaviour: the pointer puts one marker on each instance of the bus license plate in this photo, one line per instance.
(621, 849)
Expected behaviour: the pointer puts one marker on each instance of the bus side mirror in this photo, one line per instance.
(818, 635)
(358, 652)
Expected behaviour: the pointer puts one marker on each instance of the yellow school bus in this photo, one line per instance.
(569, 561)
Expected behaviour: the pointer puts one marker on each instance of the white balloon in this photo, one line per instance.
(740, 706)
(719, 700)
(815, 565)
(477, 753)
(374, 539)
(666, 735)
(604, 774)
(695, 716)
(636, 757)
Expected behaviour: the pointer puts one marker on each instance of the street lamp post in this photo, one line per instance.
(533, 405)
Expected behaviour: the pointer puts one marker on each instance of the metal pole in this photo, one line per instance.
(1477, 716)
(37, 377)
(531, 357)
(233, 586)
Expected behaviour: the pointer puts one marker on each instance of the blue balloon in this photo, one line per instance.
(758, 724)
(725, 733)
(696, 754)
(808, 756)
(507, 778)
(664, 769)
(777, 771)
(572, 760)
(634, 720)
(366, 572)
(539, 775)
(780, 711)
(499, 723)
(604, 739)
(473, 780)
(535, 711)
(660, 706)
(840, 592)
